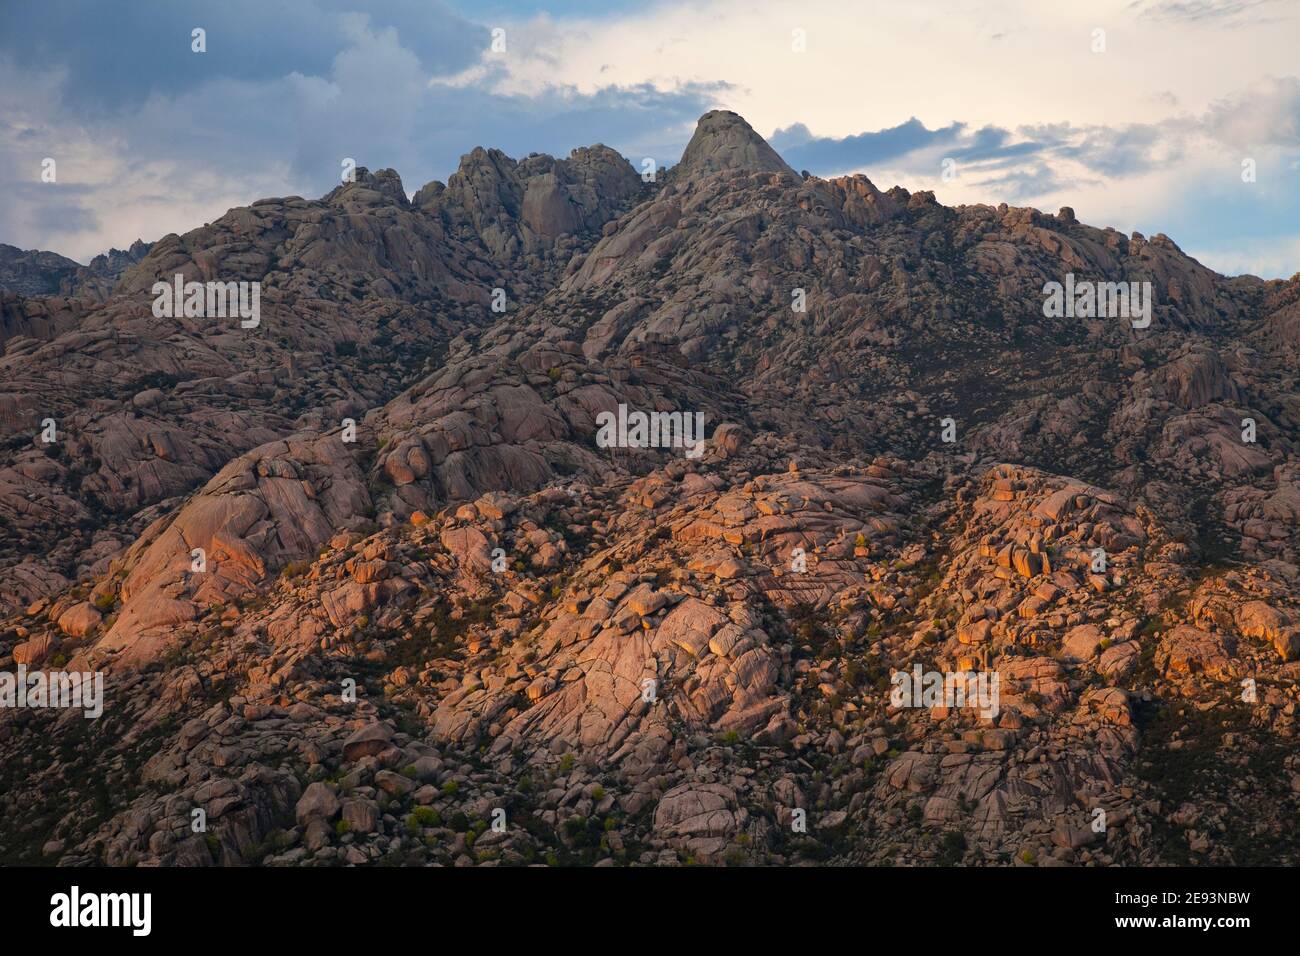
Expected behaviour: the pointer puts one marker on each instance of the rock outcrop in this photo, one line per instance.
(723, 140)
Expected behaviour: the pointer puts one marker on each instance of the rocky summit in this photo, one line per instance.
(426, 564)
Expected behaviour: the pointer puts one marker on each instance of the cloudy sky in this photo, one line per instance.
(1141, 114)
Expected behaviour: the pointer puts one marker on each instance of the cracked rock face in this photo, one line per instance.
(365, 577)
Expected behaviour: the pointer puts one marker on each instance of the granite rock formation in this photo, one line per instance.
(364, 580)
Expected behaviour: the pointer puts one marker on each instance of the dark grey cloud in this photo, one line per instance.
(63, 210)
(1110, 151)
(378, 108)
(825, 155)
(118, 54)
(913, 147)
(1026, 183)
(228, 139)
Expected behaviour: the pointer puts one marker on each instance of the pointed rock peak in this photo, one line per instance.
(723, 140)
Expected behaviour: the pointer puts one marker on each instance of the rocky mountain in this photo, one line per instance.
(33, 273)
(367, 582)
(98, 279)
(43, 294)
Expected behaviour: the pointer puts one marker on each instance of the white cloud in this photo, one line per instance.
(1004, 62)
(1266, 112)
(1268, 258)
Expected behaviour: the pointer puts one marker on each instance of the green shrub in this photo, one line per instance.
(952, 847)
(425, 817)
